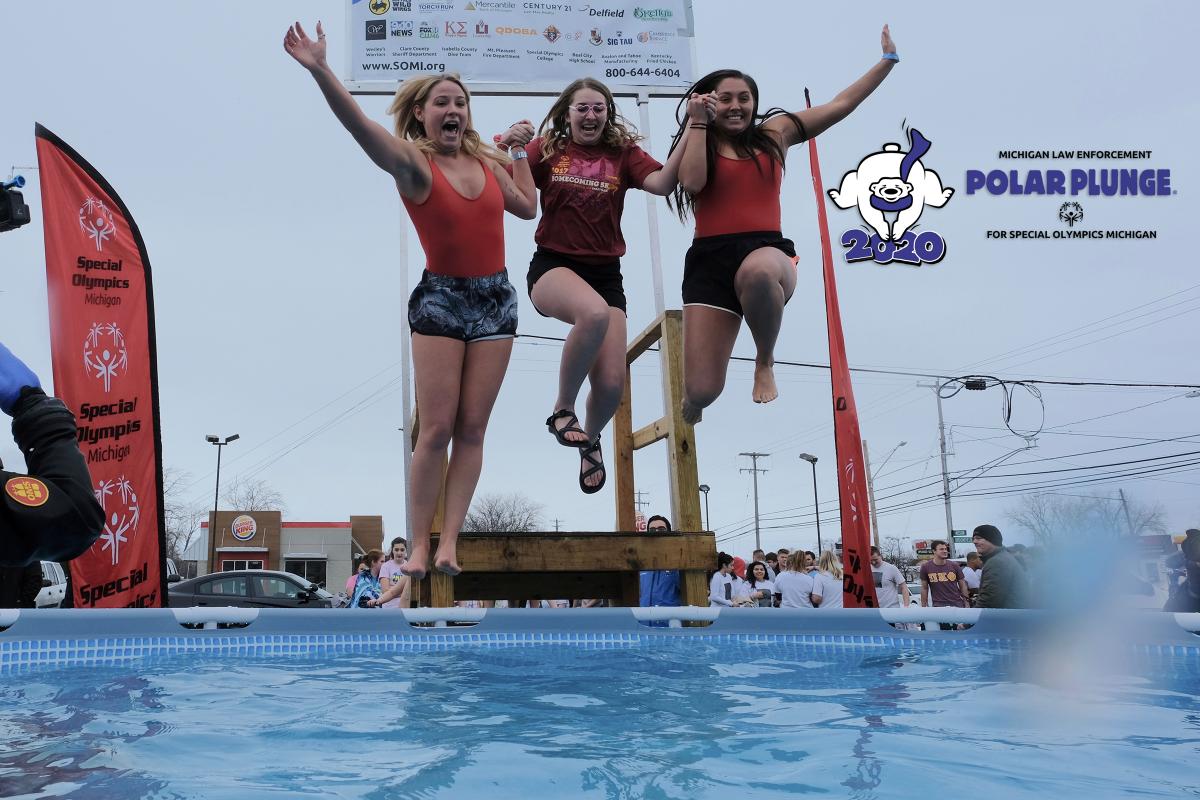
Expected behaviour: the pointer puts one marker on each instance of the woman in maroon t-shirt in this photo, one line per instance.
(584, 160)
(739, 263)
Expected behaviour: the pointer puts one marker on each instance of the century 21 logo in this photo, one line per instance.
(891, 189)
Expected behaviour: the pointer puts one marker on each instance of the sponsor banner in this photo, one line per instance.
(523, 41)
(858, 584)
(103, 352)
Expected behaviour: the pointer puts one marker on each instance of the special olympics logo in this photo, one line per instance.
(891, 189)
(121, 513)
(104, 353)
(97, 222)
(1070, 213)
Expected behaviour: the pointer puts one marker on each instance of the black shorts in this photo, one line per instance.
(467, 309)
(604, 278)
(713, 261)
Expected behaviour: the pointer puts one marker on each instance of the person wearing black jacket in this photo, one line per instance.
(49, 512)
(1187, 597)
(1004, 583)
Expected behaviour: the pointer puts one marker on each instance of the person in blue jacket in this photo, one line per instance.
(659, 587)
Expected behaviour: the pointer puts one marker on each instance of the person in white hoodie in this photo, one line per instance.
(828, 592)
(720, 586)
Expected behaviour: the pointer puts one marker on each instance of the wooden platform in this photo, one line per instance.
(554, 566)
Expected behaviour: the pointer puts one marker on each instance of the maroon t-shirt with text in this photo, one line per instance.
(583, 195)
(943, 584)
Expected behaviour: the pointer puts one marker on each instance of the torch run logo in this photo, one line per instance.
(121, 513)
(104, 353)
(97, 222)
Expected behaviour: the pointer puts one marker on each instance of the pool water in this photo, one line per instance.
(678, 719)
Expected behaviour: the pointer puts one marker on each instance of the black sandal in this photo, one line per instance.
(572, 426)
(592, 455)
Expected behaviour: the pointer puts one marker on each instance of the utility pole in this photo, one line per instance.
(1128, 520)
(937, 392)
(639, 502)
(754, 470)
(870, 493)
(556, 524)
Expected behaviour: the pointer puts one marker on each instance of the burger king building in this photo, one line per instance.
(322, 552)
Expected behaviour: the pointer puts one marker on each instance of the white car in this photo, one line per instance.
(54, 586)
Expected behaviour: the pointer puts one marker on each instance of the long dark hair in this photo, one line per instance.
(750, 572)
(746, 144)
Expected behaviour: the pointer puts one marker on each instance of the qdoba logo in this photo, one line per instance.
(97, 222)
(506, 30)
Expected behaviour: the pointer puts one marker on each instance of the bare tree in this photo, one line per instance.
(896, 552)
(182, 520)
(1054, 519)
(504, 512)
(247, 495)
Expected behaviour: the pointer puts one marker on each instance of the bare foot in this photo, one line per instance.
(570, 436)
(415, 566)
(446, 563)
(764, 384)
(692, 414)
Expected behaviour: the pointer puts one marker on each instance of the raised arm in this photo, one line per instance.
(663, 181)
(819, 118)
(693, 165)
(399, 158)
(516, 181)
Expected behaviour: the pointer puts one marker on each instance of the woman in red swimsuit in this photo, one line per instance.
(584, 160)
(739, 263)
(463, 313)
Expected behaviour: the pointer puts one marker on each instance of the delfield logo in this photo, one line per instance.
(891, 189)
(653, 14)
(603, 12)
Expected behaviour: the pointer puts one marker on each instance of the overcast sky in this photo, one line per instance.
(274, 246)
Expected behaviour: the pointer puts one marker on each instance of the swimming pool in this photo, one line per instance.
(590, 704)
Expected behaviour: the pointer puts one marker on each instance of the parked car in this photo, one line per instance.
(249, 588)
(54, 586)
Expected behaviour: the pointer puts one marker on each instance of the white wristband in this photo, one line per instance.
(517, 153)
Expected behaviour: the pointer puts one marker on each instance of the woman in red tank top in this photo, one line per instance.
(739, 263)
(463, 313)
(584, 160)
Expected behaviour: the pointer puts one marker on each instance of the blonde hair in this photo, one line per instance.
(829, 563)
(556, 134)
(415, 92)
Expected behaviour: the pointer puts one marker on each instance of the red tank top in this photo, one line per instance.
(462, 237)
(740, 196)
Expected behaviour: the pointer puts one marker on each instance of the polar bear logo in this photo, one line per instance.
(892, 188)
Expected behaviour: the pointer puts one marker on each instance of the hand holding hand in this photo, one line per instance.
(519, 134)
(14, 376)
(702, 108)
(310, 54)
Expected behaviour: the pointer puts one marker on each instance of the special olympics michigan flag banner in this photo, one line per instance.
(521, 41)
(858, 583)
(105, 370)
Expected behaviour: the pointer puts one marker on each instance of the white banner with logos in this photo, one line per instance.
(523, 41)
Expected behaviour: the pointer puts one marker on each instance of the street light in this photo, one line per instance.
(871, 473)
(704, 487)
(816, 507)
(216, 440)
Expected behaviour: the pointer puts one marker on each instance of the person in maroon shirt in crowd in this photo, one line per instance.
(584, 160)
(463, 313)
(739, 263)
(943, 582)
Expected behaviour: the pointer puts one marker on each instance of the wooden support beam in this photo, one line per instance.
(681, 451)
(622, 459)
(654, 432)
(646, 339)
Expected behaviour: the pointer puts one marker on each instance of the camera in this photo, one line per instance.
(13, 211)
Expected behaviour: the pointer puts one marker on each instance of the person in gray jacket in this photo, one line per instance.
(1004, 583)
